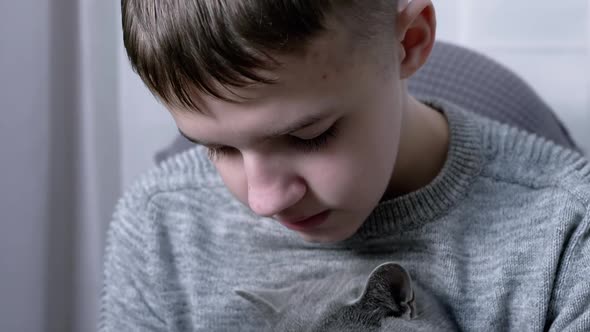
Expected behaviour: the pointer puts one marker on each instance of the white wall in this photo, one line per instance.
(25, 97)
(59, 169)
(28, 148)
(98, 150)
(545, 41)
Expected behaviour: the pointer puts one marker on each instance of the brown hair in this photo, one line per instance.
(176, 46)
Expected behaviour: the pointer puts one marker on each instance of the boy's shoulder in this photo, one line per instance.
(513, 155)
(184, 177)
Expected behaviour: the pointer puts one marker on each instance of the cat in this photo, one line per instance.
(388, 300)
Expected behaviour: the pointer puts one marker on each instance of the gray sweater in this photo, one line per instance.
(501, 240)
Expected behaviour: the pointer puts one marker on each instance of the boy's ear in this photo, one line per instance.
(416, 31)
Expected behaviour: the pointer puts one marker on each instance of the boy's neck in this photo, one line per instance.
(423, 147)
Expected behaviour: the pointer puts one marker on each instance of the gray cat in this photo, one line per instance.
(387, 300)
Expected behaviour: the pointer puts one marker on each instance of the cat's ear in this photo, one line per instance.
(390, 285)
(396, 278)
(269, 301)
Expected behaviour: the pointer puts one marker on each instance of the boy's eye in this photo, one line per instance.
(316, 143)
(305, 145)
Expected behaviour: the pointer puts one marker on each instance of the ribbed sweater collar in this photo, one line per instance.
(463, 163)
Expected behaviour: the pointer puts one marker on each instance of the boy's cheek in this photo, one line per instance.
(337, 182)
(234, 180)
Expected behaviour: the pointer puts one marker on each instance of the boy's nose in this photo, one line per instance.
(272, 187)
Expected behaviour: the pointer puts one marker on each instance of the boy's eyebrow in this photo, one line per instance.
(300, 124)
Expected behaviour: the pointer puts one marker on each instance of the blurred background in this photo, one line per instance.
(77, 127)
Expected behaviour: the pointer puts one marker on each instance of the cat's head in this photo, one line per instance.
(383, 301)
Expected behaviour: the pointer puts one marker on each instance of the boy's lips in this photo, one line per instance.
(304, 223)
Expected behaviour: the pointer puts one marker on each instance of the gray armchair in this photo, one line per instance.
(475, 82)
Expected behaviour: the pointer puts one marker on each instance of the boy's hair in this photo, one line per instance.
(177, 46)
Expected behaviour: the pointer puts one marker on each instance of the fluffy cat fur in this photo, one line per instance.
(388, 300)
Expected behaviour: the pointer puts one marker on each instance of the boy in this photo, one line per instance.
(321, 164)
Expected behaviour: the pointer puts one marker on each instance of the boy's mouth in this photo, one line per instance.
(305, 223)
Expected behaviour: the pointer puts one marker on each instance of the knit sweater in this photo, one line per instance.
(501, 239)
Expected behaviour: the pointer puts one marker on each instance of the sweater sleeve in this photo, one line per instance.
(129, 300)
(570, 310)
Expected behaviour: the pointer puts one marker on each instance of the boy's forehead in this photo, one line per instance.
(327, 57)
(319, 67)
(306, 86)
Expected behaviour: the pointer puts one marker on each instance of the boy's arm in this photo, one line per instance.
(570, 308)
(128, 297)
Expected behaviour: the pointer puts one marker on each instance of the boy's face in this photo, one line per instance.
(345, 172)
